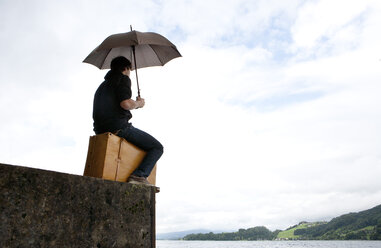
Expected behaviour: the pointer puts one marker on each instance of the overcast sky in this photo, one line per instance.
(271, 117)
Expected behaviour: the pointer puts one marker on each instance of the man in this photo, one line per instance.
(111, 113)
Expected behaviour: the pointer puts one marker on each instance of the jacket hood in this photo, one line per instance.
(113, 75)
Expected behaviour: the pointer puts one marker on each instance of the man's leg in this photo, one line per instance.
(147, 143)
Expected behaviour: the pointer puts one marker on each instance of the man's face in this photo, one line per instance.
(127, 71)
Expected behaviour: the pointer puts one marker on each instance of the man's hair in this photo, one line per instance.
(120, 63)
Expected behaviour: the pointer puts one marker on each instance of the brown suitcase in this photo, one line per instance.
(113, 158)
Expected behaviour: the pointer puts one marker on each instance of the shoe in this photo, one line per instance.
(138, 180)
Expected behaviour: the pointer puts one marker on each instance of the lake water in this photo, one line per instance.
(267, 244)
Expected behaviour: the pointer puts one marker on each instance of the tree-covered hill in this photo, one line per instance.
(255, 233)
(363, 225)
(289, 233)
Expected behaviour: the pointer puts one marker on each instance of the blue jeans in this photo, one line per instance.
(145, 142)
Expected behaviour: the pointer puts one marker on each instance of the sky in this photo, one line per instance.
(270, 118)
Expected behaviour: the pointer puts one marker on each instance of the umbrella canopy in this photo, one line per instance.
(151, 49)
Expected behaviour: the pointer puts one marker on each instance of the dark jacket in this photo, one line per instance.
(108, 115)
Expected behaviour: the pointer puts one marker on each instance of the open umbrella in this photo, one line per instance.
(142, 49)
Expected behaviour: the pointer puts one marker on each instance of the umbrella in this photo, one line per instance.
(143, 49)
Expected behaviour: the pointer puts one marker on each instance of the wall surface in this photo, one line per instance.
(48, 209)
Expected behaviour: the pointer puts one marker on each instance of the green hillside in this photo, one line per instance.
(254, 233)
(289, 233)
(364, 225)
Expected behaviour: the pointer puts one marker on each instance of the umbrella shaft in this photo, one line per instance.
(136, 70)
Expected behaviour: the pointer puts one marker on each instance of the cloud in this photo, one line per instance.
(324, 27)
(294, 158)
(231, 23)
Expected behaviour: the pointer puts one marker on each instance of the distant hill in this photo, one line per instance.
(254, 233)
(179, 235)
(289, 233)
(364, 225)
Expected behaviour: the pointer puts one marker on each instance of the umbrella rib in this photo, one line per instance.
(109, 51)
(156, 55)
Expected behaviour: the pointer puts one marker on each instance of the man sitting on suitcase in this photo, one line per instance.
(111, 113)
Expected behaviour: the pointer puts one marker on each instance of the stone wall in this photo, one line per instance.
(48, 209)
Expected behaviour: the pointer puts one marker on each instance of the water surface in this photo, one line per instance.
(267, 244)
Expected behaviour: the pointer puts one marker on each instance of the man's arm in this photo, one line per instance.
(130, 104)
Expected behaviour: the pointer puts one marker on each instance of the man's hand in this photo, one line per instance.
(130, 104)
(140, 102)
